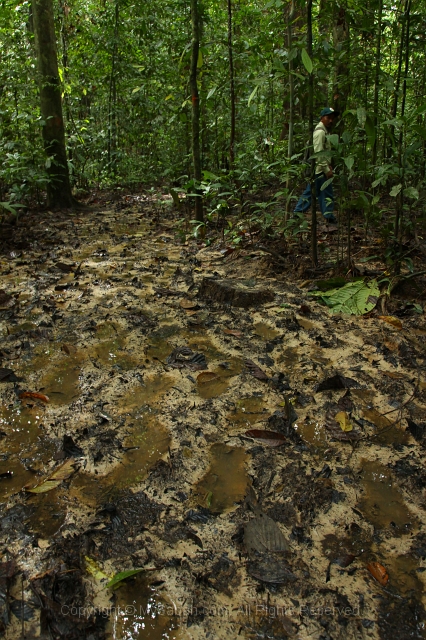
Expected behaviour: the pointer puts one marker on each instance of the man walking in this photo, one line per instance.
(323, 170)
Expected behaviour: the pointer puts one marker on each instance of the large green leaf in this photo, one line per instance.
(355, 298)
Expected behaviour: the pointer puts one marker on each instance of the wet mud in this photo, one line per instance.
(164, 477)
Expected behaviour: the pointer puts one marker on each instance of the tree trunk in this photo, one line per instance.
(400, 196)
(196, 156)
(377, 77)
(314, 240)
(341, 45)
(232, 87)
(291, 99)
(58, 188)
(112, 99)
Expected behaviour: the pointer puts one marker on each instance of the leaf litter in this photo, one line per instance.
(332, 372)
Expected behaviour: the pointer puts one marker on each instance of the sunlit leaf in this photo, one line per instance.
(95, 570)
(395, 190)
(307, 62)
(395, 322)
(343, 419)
(116, 581)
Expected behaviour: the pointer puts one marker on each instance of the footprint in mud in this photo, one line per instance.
(226, 480)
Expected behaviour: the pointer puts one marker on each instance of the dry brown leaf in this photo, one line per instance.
(206, 376)
(33, 394)
(378, 572)
(233, 332)
(395, 322)
(270, 438)
(188, 304)
(255, 370)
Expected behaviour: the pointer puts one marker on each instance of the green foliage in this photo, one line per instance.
(354, 298)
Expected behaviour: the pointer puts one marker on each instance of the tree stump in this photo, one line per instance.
(238, 293)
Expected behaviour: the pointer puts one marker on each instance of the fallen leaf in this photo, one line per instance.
(336, 432)
(95, 570)
(343, 419)
(336, 382)
(206, 376)
(255, 370)
(54, 480)
(188, 304)
(395, 322)
(33, 394)
(344, 561)
(69, 349)
(233, 332)
(115, 582)
(7, 375)
(270, 438)
(378, 572)
(394, 375)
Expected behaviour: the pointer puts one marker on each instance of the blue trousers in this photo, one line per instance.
(327, 194)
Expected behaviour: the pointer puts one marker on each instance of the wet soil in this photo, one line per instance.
(165, 477)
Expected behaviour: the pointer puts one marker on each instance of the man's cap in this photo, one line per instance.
(328, 111)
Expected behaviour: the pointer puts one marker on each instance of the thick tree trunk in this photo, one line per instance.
(196, 108)
(314, 240)
(58, 188)
(232, 87)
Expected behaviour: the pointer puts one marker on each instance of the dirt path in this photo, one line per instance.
(158, 472)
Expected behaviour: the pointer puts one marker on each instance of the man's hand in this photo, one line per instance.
(329, 174)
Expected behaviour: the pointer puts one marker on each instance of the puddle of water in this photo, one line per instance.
(215, 388)
(147, 393)
(203, 344)
(141, 614)
(289, 357)
(306, 324)
(356, 542)
(403, 576)
(49, 513)
(61, 382)
(25, 326)
(312, 432)
(248, 411)
(159, 341)
(23, 448)
(387, 433)
(381, 503)
(226, 481)
(265, 331)
(110, 353)
(151, 441)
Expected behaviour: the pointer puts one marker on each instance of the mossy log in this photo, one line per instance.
(238, 293)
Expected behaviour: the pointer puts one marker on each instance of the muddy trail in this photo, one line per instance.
(174, 466)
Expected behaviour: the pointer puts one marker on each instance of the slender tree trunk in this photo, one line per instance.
(58, 188)
(291, 98)
(232, 87)
(398, 79)
(196, 156)
(112, 98)
(314, 240)
(400, 197)
(341, 45)
(377, 78)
